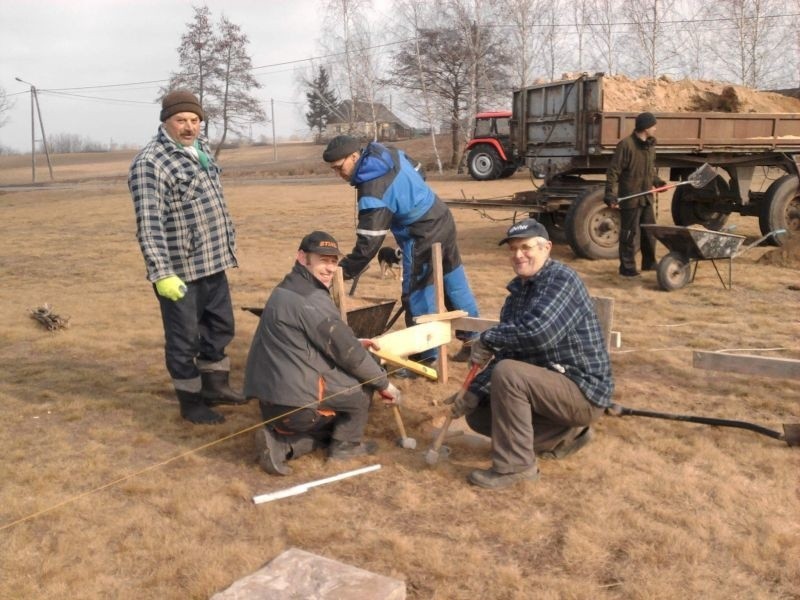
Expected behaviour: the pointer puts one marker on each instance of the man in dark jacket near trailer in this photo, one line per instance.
(393, 195)
(633, 170)
(312, 377)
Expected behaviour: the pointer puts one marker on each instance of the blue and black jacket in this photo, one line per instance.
(393, 196)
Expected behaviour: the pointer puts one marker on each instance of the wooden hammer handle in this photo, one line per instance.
(437, 443)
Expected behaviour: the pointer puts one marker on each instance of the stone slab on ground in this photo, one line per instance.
(297, 574)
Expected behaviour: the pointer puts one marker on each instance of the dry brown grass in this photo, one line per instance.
(651, 509)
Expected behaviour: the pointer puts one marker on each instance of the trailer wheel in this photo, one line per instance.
(554, 223)
(592, 228)
(484, 163)
(687, 209)
(673, 272)
(781, 209)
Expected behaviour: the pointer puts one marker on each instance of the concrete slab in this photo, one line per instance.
(299, 575)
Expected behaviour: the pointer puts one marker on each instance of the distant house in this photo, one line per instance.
(358, 119)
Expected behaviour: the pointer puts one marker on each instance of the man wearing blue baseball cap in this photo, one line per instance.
(546, 372)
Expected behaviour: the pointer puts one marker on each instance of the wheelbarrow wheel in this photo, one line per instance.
(673, 272)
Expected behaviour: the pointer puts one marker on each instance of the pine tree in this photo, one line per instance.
(322, 102)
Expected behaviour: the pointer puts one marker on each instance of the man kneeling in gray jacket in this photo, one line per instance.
(311, 375)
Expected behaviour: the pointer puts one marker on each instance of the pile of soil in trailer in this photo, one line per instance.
(621, 94)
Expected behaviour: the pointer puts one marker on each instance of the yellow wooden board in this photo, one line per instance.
(415, 367)
(416, 338)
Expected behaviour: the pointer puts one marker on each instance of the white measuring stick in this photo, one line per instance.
(304, 487)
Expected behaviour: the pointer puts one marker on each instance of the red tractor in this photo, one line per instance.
(490, 153)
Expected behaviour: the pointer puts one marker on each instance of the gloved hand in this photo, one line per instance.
(462, 405)
(610, 200)
(391, 395)
(171, 288)
(659, 182)
(479, 354)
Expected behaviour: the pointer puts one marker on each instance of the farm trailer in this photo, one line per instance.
(563, 132)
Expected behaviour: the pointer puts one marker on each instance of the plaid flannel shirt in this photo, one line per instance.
(549, 321)
(182, 222)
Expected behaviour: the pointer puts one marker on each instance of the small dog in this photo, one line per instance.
(389, 260)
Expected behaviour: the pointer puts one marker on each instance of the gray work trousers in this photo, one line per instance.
(532, 408)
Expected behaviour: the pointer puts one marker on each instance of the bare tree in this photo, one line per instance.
(605, 33)
(412, 13)
(5, 106)
(648, 35)
(198, 64)
(350, 39)
(442, 62)
(238, 108)
(754, 42)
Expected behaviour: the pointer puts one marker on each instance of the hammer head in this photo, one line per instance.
(432, 456)
(407, 442)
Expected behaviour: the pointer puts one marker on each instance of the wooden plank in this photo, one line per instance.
(416, 338)
(411, 365)
(445, 316)
(472, 324)
(438, 290)
(747, 364)
(339, 294)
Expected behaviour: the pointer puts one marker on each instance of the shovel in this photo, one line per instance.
(699, 178)
(436, 450)
(790, 435)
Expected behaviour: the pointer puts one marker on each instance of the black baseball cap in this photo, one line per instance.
(320, 242)
(527, 228)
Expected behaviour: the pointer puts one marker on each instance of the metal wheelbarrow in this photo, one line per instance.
(689, 245)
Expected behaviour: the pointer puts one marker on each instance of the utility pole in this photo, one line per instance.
(35, 101)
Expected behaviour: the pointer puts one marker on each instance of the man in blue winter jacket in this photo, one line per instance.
(393, 196)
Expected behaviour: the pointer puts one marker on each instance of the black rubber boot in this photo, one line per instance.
(216, 389)
(194, 409)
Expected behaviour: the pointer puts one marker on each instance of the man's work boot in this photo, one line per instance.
(492, 480)
(216, 389)
(566, 447)
(345, 450)
(194, 409)
(271, 451)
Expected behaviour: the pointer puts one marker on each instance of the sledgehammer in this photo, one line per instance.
(436, 450)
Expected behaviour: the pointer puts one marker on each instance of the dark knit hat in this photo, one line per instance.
(320, 242)
(180, 101)
(528, 228)
(340, 147)
(645, 121)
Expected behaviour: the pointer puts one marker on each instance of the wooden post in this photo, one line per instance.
(339, 294)
(438, 290)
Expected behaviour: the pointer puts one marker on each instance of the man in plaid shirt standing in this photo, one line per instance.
(188, 241)
(547, 373)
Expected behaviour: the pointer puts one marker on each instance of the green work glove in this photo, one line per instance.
(171, 288)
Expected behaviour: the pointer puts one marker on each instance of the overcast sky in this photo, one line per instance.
(56, 44)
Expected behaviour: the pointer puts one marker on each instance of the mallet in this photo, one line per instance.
(436, 450)
(404, 441)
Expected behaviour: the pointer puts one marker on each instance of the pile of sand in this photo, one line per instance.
(621, 94)
(787, 255)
